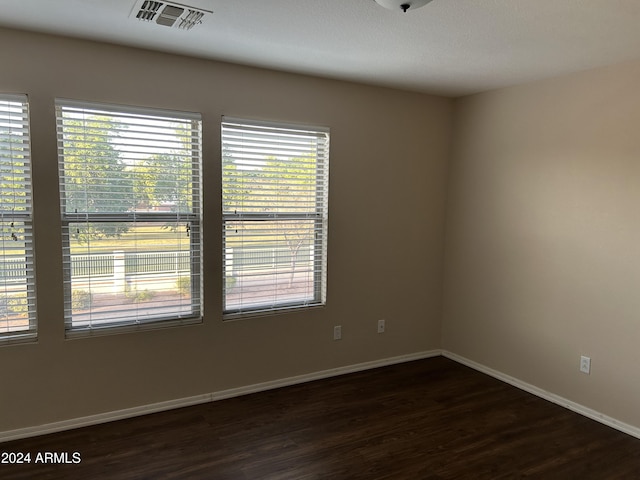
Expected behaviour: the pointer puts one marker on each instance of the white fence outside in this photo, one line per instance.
(115, 271)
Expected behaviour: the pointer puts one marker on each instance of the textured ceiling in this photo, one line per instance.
(450, 47)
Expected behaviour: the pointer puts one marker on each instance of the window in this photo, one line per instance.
(17, 300)
(274, 200)
(130, 202)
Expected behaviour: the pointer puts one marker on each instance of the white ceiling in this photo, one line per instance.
(449, 47)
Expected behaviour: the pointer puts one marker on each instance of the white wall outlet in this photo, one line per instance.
(585, 365)
(381, 326)
(337, 332)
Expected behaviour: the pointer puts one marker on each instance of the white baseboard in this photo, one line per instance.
(334, 372)
(538, 392)
(102, 418)
(285, 382)
(208, 397)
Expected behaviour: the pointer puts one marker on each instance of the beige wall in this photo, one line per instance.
(389, 152)
(542, 261)
(543, 236)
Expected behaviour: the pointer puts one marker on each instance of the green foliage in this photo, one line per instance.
(293, 178)
(265, 186)
(162, 179)
(14, 171)
(81, 299)
(237, 186)
(136, 295)
(184, 285)
(92, 167)
(99, 178)
(95, 176)
(230, 282)
(18, 304)
(268, 188)
(83, 233)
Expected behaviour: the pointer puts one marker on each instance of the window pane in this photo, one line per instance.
(17, 299)
(270, 263)
(274, 201)
(272, 185)
(118, 162)
(140, 275)
(130, 203)
(17, 279)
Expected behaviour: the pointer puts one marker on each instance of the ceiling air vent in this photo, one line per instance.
(169, 14)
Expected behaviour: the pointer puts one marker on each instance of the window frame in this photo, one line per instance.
(25, 218)
(193, 219)
(319, 216)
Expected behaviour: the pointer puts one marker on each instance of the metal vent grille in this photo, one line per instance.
(169, 14)
(148, 10)
(193, 18)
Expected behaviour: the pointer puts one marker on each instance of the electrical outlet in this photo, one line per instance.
(337, 332)
(381, 326)
(585, 365)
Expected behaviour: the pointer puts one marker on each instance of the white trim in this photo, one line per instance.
(538, 392)
(102, 418)
(285, 382)
(334, 372)
(208, 397)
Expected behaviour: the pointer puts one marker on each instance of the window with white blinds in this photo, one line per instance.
(275, 212)
(17, 300)
(130, 191)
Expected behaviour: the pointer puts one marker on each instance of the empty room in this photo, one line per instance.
(368, 239)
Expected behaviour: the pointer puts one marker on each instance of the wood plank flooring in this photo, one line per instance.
(424, 420)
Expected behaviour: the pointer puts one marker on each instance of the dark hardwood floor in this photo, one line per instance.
(429, 419)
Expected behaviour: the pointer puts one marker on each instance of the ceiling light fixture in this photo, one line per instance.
(403, 5)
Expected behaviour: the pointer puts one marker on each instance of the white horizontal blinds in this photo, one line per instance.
(17, 280)
(275, 192)
(131, 210)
